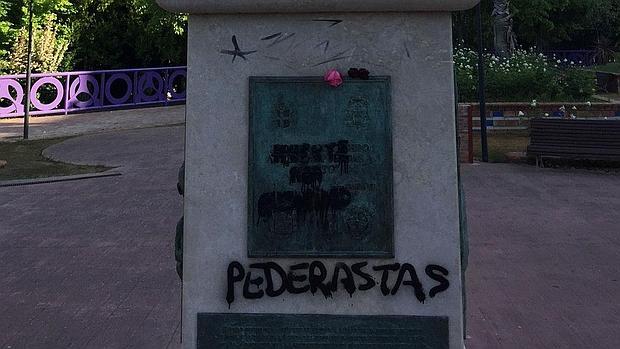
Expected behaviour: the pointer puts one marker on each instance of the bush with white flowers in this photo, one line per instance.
(525, 76)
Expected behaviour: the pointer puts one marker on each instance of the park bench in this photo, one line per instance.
(608, 81)
(574, 139)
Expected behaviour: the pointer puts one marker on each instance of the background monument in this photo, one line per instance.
(320, 216)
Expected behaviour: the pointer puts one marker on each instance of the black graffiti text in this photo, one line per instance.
(269, 279)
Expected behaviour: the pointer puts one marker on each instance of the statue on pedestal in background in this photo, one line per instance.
(505, 41)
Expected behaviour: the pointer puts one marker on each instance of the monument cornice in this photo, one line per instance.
(312, 6)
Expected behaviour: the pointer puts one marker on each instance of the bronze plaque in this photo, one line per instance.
(320, 168)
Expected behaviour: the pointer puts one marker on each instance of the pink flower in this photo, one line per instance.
(333, 78)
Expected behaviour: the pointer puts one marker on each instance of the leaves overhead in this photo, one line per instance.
(90, 34)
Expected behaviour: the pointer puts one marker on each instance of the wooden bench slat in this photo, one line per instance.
(599, 140)
(602, 139)
(584, 139)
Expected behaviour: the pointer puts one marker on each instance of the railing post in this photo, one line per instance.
(165, 87)
(67, 86)
(135, 87)
(102, 89)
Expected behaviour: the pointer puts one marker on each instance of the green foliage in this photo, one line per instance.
(571, 23)
(5, 31)
(525, 76)
(48, 49)
(121, 34)
(51, 34)
(90, 34)
(550, 24)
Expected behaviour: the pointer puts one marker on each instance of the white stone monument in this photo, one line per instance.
(407, 46)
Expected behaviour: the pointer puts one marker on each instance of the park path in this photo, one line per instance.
(544, 267)
(85, 123)
(89, 263)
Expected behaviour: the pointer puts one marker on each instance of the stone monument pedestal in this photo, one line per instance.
(261, 269)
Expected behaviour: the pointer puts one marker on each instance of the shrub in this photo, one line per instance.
(48, 50)
(525, 76)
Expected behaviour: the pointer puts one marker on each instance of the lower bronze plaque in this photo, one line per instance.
(286, 331)
(320, 168)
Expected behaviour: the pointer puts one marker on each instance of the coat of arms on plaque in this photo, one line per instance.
(357, 112)
(282, 116)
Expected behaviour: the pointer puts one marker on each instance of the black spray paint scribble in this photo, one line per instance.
(272, 36)
(335, 152)
(325, 45)
(407, 50)
(332, 21)
(311, 205)
(310, 177)
(280, 38)
(271, 280)
(306, 161)
(337, 57)
(237, 52)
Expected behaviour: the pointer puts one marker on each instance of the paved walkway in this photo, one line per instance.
(86, 123)
(89, 264)
(545, 257)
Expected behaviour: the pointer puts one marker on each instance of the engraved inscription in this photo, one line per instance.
(284, 331)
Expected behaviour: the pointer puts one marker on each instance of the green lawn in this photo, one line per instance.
(500, 144)
(25, 160)
(609, 68)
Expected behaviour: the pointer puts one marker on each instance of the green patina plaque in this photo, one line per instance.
(280, 331)
(320, 168)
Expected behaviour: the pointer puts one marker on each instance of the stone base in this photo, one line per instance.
(415, 50)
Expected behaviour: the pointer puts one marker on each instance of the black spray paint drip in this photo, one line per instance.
(311, 205)
(310, 177)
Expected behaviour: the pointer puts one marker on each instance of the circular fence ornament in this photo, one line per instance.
(108, 88)
(35, 89)
(177, 74)
(80, 86)
(151, 81)
(16, 105)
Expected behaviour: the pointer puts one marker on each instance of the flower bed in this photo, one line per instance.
(525, 76)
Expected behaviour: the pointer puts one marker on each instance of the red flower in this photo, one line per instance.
(333, 78)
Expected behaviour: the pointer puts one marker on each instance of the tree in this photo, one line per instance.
(121, 34)
(5, 32)
(549, 24)
(51, 34)
(48, 50)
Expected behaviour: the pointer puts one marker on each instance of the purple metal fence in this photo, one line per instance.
(62, 93)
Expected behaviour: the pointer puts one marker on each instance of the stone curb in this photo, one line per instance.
(21, 182)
